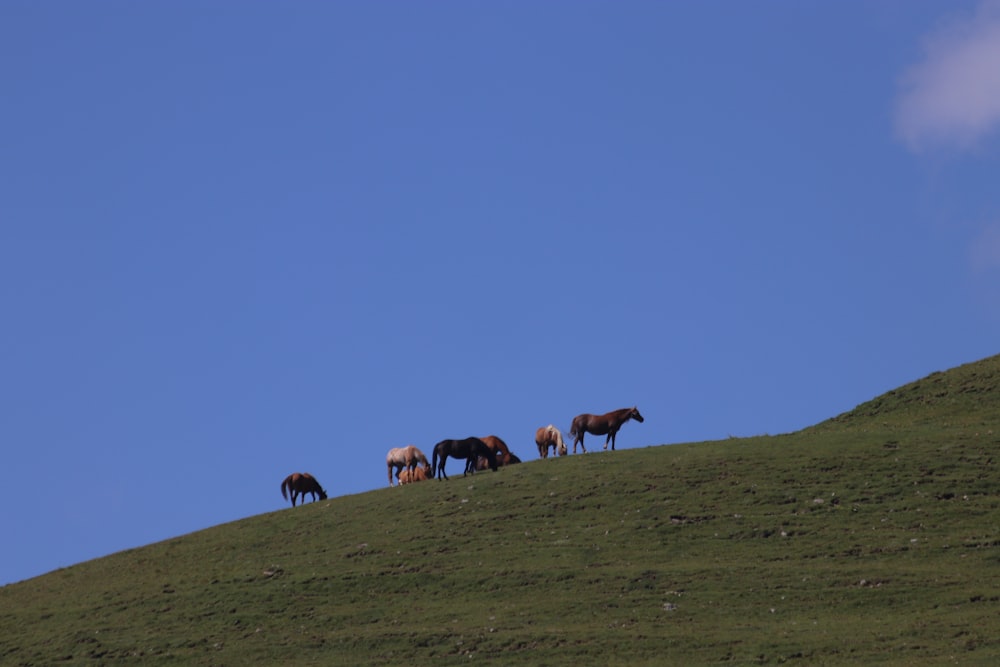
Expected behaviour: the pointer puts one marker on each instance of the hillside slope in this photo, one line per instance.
(966, 395)
(871, 538)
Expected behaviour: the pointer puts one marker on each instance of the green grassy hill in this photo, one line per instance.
(871, 538)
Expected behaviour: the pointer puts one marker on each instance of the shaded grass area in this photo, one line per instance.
(872, 538)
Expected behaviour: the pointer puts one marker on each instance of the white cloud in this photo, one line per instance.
(985, 252)
(952, 98)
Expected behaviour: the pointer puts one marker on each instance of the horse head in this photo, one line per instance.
(321, 492)
(634, 414)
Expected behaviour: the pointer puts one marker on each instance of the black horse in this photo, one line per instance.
(468, 449)
(600, 424)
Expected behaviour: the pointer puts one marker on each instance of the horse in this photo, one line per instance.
(405, 457)
(504, 456)
(600, 424)
(483, 464)
(301, 483)
(421, 474)
(550, 436)
(467, 449)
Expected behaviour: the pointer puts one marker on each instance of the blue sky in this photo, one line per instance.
(242, 239)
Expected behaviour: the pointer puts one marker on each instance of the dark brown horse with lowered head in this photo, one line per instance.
(468, 449)
(301, 483)
(407, 458)
(550, 436)
(601, 424)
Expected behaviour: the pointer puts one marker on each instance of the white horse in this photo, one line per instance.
(405, 457)
(550, 436)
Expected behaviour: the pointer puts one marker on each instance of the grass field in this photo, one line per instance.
(871, 538)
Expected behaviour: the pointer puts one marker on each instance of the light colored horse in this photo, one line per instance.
(405, 457)
(550, 436)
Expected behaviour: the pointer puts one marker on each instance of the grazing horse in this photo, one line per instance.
(550, 436)
(468, 449)
(405, 457)
(601, 424)
(301, 483)
(421, 474)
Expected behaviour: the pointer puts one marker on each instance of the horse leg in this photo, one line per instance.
(441, 472)
(579, 438)
(611, 439)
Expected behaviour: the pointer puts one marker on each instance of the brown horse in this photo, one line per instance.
(421, 474)
(483, 464)
(468, 449)
(301, 483)
(500, 449)
(405, 457)
(550, 436)
(601, 424)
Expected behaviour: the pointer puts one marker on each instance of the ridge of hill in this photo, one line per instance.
(870, 538)
(967, 393)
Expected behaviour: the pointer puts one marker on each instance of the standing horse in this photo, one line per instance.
(550, 436)
(301, 483)
(467, 449)
(601, 424)
(405, 457)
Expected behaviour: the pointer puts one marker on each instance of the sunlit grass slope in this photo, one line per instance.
(871, 538)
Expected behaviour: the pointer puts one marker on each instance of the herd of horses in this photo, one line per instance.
(410, 464)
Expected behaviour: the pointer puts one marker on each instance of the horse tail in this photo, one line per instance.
(434, 459)
(284, 485)
(572, 428)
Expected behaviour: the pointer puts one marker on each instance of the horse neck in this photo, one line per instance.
(622, 416)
